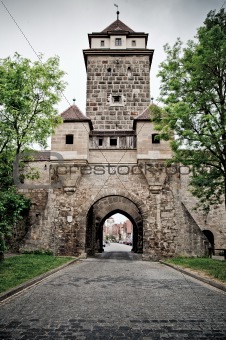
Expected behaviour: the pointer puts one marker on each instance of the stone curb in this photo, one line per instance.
(34, 281)
(196, 276)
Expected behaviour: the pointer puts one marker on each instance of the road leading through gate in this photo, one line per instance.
(116, 295)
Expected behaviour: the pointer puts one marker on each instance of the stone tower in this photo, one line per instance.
(118, 83)
(109, 161)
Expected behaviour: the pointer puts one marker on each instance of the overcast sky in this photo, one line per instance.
(60, 27)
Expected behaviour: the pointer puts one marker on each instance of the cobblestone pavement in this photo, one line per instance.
(115, 296)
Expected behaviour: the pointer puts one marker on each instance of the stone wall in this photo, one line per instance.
(39, 229)
(215, 220)
(67, 196)
(79, 148)
(115, 95)
(145, 148)
(59, 215)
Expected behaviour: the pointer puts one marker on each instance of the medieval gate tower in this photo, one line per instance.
(110, 161)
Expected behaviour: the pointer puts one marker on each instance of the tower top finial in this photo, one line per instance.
(117, 11)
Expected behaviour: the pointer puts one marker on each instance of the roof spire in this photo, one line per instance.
(117, 11)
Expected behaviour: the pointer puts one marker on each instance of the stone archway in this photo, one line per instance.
(209, 235)
(105, 207)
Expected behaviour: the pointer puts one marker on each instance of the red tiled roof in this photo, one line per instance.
(145, 115)
(117, 25)
(74, 114)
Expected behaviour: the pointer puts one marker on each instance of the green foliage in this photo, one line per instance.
(12, 208)
(39, 252)
(28, 95)
(193, 90)
(212, 267)
(6, 171)
(18, 269)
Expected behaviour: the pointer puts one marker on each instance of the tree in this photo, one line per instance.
(12, 207)
(28, 95)
(193, 90)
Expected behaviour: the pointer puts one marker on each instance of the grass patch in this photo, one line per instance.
(18, 269)
(211, 267)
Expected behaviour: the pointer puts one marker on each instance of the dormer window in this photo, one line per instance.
(133, 42)
(118, 42)
(102, 43)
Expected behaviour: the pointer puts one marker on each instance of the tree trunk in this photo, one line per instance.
(225, 193)
(1, 256)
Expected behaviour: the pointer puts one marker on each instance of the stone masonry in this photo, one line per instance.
(126, 77)
(109, 161)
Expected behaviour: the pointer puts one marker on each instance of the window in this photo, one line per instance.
(100, 141)
(109, 70)
(116, 99)
(129, 71)
(118, 42)
(133, 42)
(155, 138)
(69, 139)
(113, 141)
(102, 43)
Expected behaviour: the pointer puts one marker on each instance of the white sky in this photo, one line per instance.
(118, 218)
(60, 27)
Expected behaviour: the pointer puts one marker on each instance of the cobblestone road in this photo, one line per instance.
(115, 296)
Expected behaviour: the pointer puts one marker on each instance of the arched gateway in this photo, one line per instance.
(102, 209)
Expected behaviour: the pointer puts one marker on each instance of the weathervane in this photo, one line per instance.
(117, 11)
